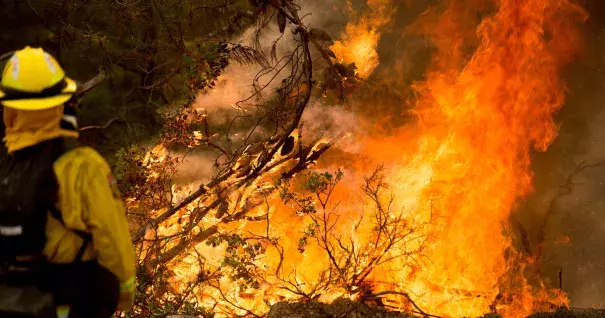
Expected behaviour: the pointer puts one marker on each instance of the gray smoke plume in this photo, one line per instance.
(574, 231)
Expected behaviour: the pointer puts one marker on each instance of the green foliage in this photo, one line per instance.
(154, 52)
(309, 233)
(321, 182)
(209, 51)
(202, 66)
(318, 186)
(302, 244)
(239, 258)
(184, 304)
(128, 169)
(302, 204)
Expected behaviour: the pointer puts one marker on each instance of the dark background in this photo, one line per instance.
(580, 214)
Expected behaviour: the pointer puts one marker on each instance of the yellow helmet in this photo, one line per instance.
(33, 80)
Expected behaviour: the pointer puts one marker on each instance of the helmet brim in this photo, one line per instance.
(44, 102)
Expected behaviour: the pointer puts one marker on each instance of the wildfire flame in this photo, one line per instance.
(360, 38)
(457, 173)
(477, 126)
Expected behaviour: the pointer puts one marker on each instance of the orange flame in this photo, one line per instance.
(477, 125)
(461, 169)
(359, 40)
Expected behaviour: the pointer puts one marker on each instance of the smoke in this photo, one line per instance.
(328, 15)
(331, 121)
(195, 168)
(579, 214)
(402, 60)
(236, 84)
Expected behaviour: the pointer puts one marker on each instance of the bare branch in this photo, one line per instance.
(404, 295)
(90, 84)
(111, 121)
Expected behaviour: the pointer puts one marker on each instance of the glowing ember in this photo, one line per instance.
(359, 41)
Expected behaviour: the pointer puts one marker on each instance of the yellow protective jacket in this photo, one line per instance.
(88, 200)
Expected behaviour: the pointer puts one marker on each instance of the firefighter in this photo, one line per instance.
(85, 255)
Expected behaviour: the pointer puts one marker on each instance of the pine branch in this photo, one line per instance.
(247, 55)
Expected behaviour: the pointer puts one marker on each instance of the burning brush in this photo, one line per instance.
(428, 231)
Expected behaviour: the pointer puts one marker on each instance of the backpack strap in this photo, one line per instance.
(86, 237)
(64, 145)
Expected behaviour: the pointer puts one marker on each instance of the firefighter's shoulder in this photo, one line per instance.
(83, 160)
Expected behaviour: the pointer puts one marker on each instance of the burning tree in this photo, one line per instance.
(172, 222)
(428, 233)
(392, 235)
